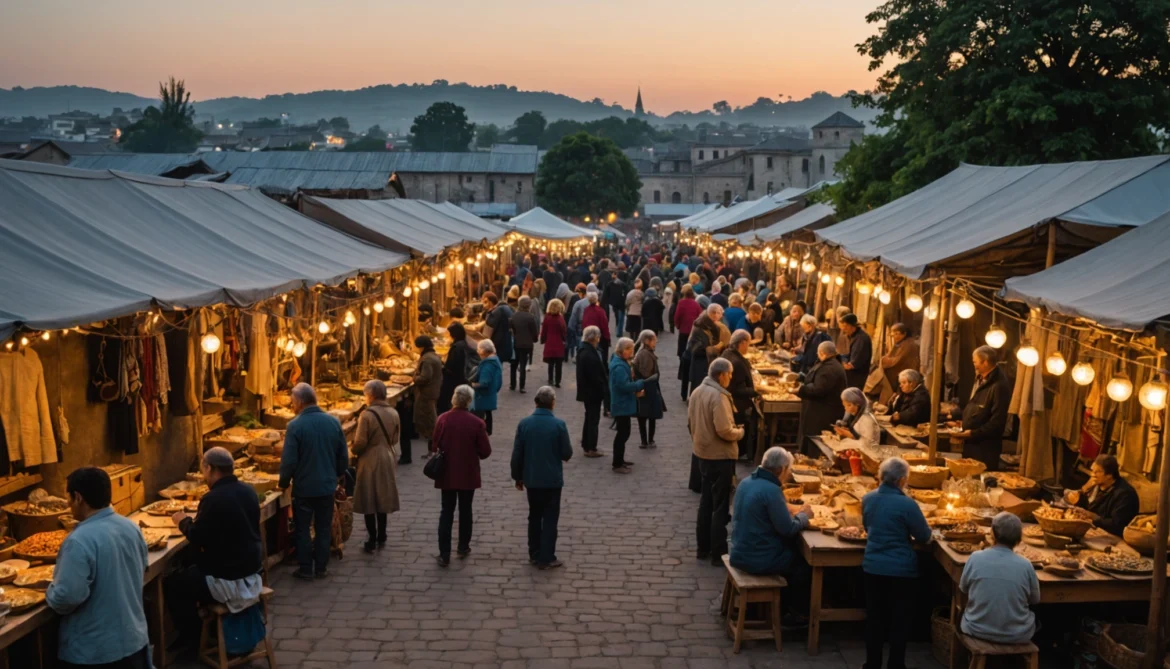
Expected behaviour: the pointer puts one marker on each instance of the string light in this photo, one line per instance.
(389, 302)
(1153, 395)
(299, 349)
(323, 327)
(1028, 355)
(793, 263)
(1119, 388)
(826, 279)
(45, 334)
(406, 291)
(435, 278)
(210, 343)
(809, 267)
(24, 341)
(965, 309)
(442, 275)
(1055, 364)
(349, 319)
(884, 297)
(366, 310)
(839, 280)
(864, 287)
(1083, 373)
(932, 311)
(379, 307)
(424, 284)
(995, 337)
(914, 302)
(290, 345)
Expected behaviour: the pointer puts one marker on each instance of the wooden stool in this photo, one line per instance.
(212, 649)
(980, 650)
(742, 589)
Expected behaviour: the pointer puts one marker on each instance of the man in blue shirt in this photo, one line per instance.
(540, 448)
(765, 537)
(315, 456)
(97, 584)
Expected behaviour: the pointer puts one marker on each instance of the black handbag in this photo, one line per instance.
(435, 466)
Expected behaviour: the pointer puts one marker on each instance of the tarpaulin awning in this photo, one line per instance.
(692, 222)
(541, 224)
(809, 218)
(411, 226)
(605, 227)
(983, 220)
(80, 246)
(741, 213)
(1120, 284)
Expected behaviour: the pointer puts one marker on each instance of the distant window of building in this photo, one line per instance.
(519, 187)
(714, 155)
(469, 179)
(727, 196)
(820, 134)
(676, 198)
(657, 197)
(769, 163)
(676, 164)
(804, 165)
(822, 165)
(836, 134)
(769, 188)
(706, 198)
(700, 154)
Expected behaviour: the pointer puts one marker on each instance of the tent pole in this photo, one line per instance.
(1161, 530)
(1050, 259)
(936, 370)
(313, 342)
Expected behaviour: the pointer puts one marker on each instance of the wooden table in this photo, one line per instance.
(769, 415)
(274, 501)
(823, 551)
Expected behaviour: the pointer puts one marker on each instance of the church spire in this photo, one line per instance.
(639, 110)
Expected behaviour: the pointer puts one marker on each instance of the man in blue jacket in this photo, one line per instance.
(623, 399)
(315, 456)
(541, 447)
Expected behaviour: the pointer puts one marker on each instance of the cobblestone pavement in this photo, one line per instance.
(630, 595)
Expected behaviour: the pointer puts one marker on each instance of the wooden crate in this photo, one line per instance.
(127, 494)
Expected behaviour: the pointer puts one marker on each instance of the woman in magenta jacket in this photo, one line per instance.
(463, 439)
(553, 333)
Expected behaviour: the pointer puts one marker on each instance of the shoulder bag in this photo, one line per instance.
(386, 433)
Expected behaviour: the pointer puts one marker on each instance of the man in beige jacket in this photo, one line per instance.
(715, 437)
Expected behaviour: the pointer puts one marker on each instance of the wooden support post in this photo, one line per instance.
(936, 372)
(313, 342)
(1154, 638)
(1050, 260)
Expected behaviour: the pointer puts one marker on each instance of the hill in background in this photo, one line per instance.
(394, 106)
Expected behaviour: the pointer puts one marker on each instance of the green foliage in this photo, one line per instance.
(367, 143)
(722, 108)
(264, 122)
(528, 129)
(169, 128)
(339, 123)
(994, 83)
(444, 127)
(626, 133)
(583, 175)
(376, 132)
(486, 135)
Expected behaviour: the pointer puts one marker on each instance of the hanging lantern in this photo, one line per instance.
(424, 284)
(826, 279)
(809, 267)
(839, 280)
(406, 291)
(966, 309)
(210, 342)
(1028, 355)
(793, 263)
(1120, 388)
(864, 287)
(914, 302)
(45, 335)
(350, 319)
(995, 337)
(389, 302)
(299, 349)
(1153, 395)
(1083, 373)
(8, 346)
(435, 278)
(442, 275)
(290, 345)
(366, 310)
(884, 297)
(379, 307)
(24, 342)
(1055, 364)
(323, 327)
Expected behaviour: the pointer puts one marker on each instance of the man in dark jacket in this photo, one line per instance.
(525, 332)
(592, 388)
(911, 406)
(225, 536)
(821, 392)
(858, 358)
(541, 447)
(985, 416)
(497, 325)
(315, 456)
(1110, 498)
(743, 390)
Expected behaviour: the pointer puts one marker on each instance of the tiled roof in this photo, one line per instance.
(840, 120)
(783, 143)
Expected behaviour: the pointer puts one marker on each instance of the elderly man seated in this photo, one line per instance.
(1000, 586)
(225, 537)
(1110, 498)
(911, 406)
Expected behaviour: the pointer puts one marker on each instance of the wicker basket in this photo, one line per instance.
(928, 479)
(942, 635)
(1140, 540)
(1065, 528)
(1122, 646)
(966, 468)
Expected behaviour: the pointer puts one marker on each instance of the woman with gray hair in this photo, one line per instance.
(911, 406)
(489, 378)
(376, 444)
(892, 520)
(858, 429)
(1001, 586)
(463, 440)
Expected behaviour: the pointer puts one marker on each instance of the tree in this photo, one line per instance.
(721, 108)
(1007, 84)
(376, 132)
(558, 130)
(528, 128)
(444, 127)
(367, 143)
(585, 175)
(339, 123)
(487, 135)
(169, 128)
(264, 122)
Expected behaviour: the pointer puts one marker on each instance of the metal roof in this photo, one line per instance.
(153, 164)
(839, 120)
(783, 143)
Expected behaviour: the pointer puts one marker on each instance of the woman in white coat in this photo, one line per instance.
(858, 428)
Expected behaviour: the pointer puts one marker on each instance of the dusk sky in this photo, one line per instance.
(684, 54)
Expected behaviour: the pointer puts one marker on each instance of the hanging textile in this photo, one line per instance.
(259, 379)
(24, 409)
(1029, 403)
(106, 371)
(181, 382)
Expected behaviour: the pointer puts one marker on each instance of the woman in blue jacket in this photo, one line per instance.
(890, 566)
(623, 399)
(488, 381)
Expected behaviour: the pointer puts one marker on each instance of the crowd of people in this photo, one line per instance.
(604, 316)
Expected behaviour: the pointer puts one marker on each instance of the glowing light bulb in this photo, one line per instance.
(290, 345)
(460, 266)
(299, 349)
(793, 263)
(914, 302)
(8, 346)
(864, 287)
(366, 310)
(965, 308)
(435, 278)
(931, 312)
(1055, 364)
(424, 284)
(839, 280)
(379, 307)
(995, 337)
(406, 291)
(1153, 395)
(1028, 355)
(1083, 373)
(389, 302)
(477, 263)
(826, 279)
(885, 297)
(350, 318)
(24, 341)
(1119, 388)
(809, 267)
(323, 327)
(45, 335)
(442, 275)
(210, 343)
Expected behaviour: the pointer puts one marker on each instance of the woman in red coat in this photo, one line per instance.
(595, 315)
(463, 439)
(553, 333)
